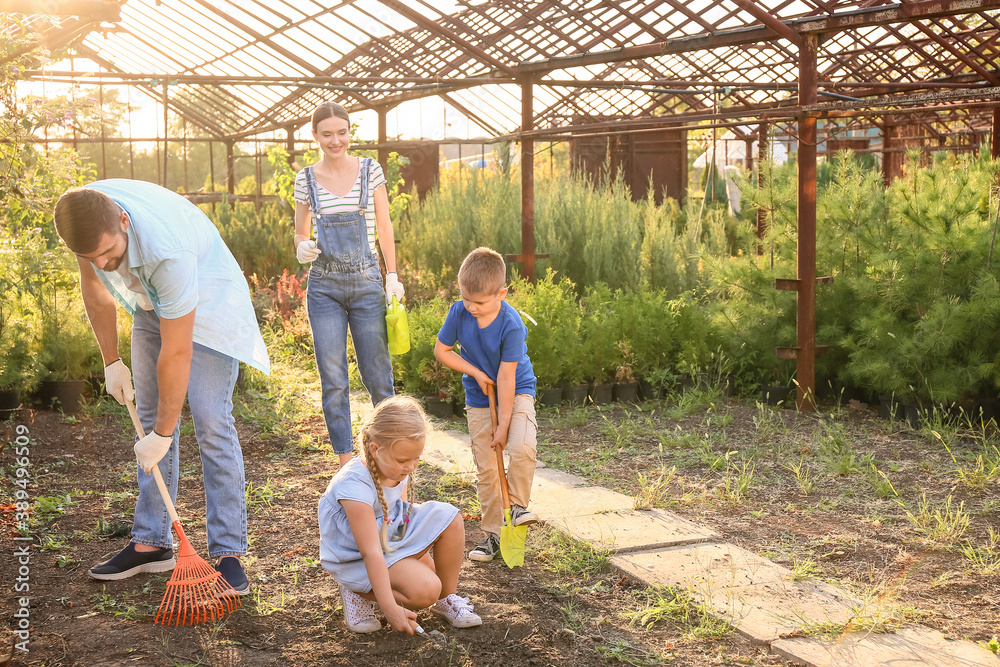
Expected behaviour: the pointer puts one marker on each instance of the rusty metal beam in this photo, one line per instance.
(773, 23)
(261, 38)
(805, 312)
(995, 137)
(439, 30)
(470, 114)
(55, 39)
(527, 185)
(91, 10)
(863, 18)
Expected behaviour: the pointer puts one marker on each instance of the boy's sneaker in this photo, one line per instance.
(128, 562)
(522, 517)
(458, 611)
(359, 613)
(486, 550)
(231, 570)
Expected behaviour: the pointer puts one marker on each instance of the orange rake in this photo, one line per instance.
(196, 592)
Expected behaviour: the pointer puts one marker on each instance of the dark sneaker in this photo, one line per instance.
(129, 562)
(231, 570)
(486, 550)
(522, 517)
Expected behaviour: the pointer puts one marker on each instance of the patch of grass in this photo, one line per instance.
(652, 492)
(680, 606)
(127, 605)
(64, 561)
(877, 612)
(259, 497)
(738, 481)
(52, 543)
(692, 401)
(571, 615)
(112, 529)
(622, 651)
(804, 569)
(985, 560)
(267, 605)
(563, 555)
(944, 524)
(767, 423)
(568, 417)
(49, 508)
(880, 483)
(803, 476)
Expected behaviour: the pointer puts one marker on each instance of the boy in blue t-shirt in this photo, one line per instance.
(493, 353)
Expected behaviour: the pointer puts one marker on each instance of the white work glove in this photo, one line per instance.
(150, 450)
(393, 288)
(118, 381)
(307, 251)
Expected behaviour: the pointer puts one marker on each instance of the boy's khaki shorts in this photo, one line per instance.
(522, 447)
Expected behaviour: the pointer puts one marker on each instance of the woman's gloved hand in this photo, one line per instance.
(306, 252)
(393, 288)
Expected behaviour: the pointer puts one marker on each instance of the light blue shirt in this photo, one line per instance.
(182, 263)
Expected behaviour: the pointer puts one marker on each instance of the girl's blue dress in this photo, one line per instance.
(339, 552)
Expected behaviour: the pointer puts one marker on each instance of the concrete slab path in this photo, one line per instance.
(759, 598)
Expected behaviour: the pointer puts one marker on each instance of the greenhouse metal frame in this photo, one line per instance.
(919, 74)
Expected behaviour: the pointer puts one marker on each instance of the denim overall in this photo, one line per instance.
(345, 292)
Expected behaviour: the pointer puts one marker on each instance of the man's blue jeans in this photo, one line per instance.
(210, 398)
(341, 297)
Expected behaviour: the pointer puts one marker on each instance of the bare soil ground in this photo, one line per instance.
(564, 607)
(532, 615)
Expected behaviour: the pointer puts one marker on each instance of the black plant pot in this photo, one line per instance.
(64, 395)
(550, 397)
(989, 407)
(10, 402)
(601, 394)
(890, 407)
(772, 394)
(648, 391)
(917, 414)
(626, 392)
(576, 394)
(439, 407)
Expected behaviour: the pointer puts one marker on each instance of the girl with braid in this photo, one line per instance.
(381, 548)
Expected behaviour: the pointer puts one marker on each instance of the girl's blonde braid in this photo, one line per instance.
(383, 533)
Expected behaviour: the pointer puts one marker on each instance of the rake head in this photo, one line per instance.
(196, 592)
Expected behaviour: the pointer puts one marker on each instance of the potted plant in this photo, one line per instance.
(626, 387)
(553, 333)
(440, 377)
(67, 350)
(599, 331)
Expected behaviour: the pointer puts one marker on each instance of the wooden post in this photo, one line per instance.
(806, 303)
(165, 120)
(383, 137)
(762, 159)
(230, 168)
(527, 185)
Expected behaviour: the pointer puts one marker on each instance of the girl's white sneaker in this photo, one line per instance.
(458, 611)
(359, 613)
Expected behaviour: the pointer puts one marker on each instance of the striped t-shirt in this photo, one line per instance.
(331, 203)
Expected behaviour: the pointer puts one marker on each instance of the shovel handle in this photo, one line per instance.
(156, 469)
(491, 394)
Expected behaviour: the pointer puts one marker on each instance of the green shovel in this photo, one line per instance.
(512, 538)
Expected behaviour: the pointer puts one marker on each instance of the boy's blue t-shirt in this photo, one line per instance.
(503, 340)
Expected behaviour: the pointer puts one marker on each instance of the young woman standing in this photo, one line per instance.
(346, 198)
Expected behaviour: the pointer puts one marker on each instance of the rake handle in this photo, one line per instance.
(156, 469)
(491, 394)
